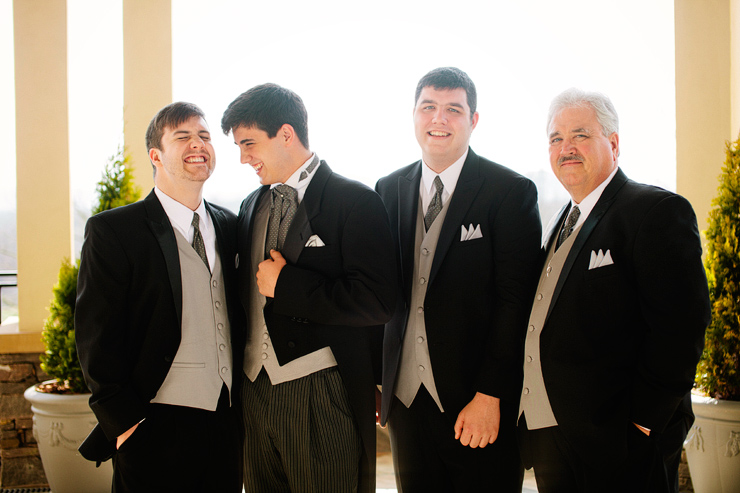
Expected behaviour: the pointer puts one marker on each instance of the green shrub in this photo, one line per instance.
(60, 359)
(718, 372)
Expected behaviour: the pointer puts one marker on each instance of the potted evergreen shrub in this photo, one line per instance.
(62, 416)
(713, 444)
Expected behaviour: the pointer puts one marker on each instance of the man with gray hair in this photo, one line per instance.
(618, 319)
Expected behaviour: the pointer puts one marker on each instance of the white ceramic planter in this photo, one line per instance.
(713, 446)
(60, 424)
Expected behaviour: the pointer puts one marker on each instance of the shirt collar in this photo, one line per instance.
(181, 217)
(588, 203)
(449, 177)
(295, 181)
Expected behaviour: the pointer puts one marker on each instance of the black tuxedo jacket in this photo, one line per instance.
(338, 295)
(129, 310)
(621, 342)
(479, 291)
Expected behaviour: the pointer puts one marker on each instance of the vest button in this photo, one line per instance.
(264, 345)
(264, 355)
(419, 339)
(539, 296)
(220, 326)
(421, 368)
(526, 391)
(222, 347)
(422, 281)
(224, 370)
(531, 328)
(218, 304)
(214, 283)
(265, 335)
(425, 251)
(529, 359)
(420, 309)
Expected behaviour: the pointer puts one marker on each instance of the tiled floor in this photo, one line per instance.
(385, 478)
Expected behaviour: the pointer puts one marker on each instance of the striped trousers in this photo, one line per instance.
(300, 436)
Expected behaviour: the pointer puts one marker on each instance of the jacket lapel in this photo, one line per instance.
(602, 206)
(408, 206)
(465, 192)
(300, 229)
(165, 235)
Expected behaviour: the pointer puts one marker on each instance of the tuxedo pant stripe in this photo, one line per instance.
(300, 436)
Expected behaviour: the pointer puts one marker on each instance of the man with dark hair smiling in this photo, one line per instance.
(154, 323)
(467, 236)
(317, 283)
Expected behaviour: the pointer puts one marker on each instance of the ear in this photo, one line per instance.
(155, 157)
(614, 141)
(475, 120)
(287, 134)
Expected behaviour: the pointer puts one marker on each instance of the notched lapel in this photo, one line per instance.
(462, 199)
(408, 206)
(165, 235)
(300, 229)
(602, 206)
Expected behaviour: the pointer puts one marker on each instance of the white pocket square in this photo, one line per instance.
(315, 241)
(600, 260)
(470, 234)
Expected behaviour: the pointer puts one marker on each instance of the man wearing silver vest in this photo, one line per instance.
(317, 283)
(154, 323)
(467, 234)
(617, 323)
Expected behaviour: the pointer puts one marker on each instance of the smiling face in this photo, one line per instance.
(581, 156)
(443, 125)
(186, 158)
(269, 157)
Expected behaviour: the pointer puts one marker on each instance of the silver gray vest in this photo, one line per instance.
(416, 366)
(534, 401)
(203, 362)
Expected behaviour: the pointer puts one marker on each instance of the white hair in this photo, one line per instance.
(606, 115)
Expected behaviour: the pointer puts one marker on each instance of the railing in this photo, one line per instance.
(8, 279)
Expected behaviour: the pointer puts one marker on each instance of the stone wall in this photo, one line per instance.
(20, 464)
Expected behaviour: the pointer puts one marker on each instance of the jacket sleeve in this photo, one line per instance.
(674, 304)
(103, 289)
(516, 257)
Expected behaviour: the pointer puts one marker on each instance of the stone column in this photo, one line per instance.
(147, 76)
(707, 106)
(44, 206)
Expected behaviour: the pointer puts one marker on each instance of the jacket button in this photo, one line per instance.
(291, 344)
(168, 359)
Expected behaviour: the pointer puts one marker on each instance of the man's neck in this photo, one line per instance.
(190, 197)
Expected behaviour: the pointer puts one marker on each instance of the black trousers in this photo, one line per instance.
(181, 449)
(650, 465)
(427, 457)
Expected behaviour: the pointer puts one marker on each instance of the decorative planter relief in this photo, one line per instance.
(713, 446)
(60, 424)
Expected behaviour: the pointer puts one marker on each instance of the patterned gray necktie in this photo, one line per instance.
(304, 174)
(435, 205)
(284, 205)
(198, 245)
(575, 213)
